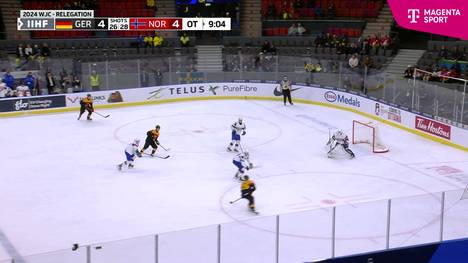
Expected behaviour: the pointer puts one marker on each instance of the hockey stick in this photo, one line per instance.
(232, 202)
(104, 116)
(157, 156)
(164, 148)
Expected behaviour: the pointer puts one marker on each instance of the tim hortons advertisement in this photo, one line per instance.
(433, 127)
(32, 103)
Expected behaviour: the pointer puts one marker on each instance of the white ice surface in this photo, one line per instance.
(59, 183)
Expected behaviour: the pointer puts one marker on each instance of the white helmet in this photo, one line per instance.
(246, 155)
(136, 142)
(339, 132)
(240, 120)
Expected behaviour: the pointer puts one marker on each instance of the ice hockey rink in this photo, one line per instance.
(59, 183)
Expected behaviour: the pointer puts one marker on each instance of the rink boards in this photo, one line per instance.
(368, 107)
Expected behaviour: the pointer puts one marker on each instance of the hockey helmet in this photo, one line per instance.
(285, 77)
(240, 120)
(246, 155)
(158, 127)
(245, 178)
(136, 142)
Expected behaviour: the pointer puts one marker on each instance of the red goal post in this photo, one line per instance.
(368, 132)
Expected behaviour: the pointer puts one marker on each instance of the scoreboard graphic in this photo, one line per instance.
(72, 20)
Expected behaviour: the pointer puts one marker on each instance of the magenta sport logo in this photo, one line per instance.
(442, 17)
(413, 14)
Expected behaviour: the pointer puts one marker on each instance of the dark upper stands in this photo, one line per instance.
(311, 9)
(299, 10)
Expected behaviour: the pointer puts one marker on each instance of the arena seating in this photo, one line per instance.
(342, 8)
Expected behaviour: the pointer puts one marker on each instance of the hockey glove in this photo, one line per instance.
(243, 133)
(138, 153)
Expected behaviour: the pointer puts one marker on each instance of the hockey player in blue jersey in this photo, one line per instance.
(130, 152)
(238, 129)
(242, 162)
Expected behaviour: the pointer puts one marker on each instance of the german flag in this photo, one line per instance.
(64, 24)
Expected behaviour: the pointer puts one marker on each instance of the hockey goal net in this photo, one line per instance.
(368, 132)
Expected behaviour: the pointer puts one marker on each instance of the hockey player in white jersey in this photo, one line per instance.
(242, 162)
(339, 139)
(238, 129)
(130, 152)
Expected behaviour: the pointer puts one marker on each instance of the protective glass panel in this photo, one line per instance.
(192, 245)
(141, 249)
(77, 256)
(455, 215)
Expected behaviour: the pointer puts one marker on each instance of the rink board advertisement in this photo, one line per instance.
(368, 107)
(32, 103)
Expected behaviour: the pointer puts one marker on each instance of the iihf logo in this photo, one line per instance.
(413, 14)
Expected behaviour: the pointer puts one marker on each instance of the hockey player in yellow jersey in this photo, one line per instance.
(247, 189)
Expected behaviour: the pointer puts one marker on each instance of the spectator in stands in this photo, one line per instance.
(45, 51)
(51, 83)
(30, 81)
(271, 13)
(94, 81)
(285, 15)
(157, 40)
(409, 71)
(318, 11)
(148, 40)
(298, 4)
(158, 77)
(22, 91)
(20, 51)
(368, 63)
(292, 31)
(386, 42)
(76, 83)
(353, 61)
(352, 49)
(64, 80)
(28, 52)
(300, 29)
(5, 91)
(319, 40)
(375, 44)
(266, 46)
(36, 51)
(272, 50)
(443, 52)
(140, 42)
(185, 40)
(150, 4)
(331, 10)
(9, 80)
(259, 61)
(366, 45)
